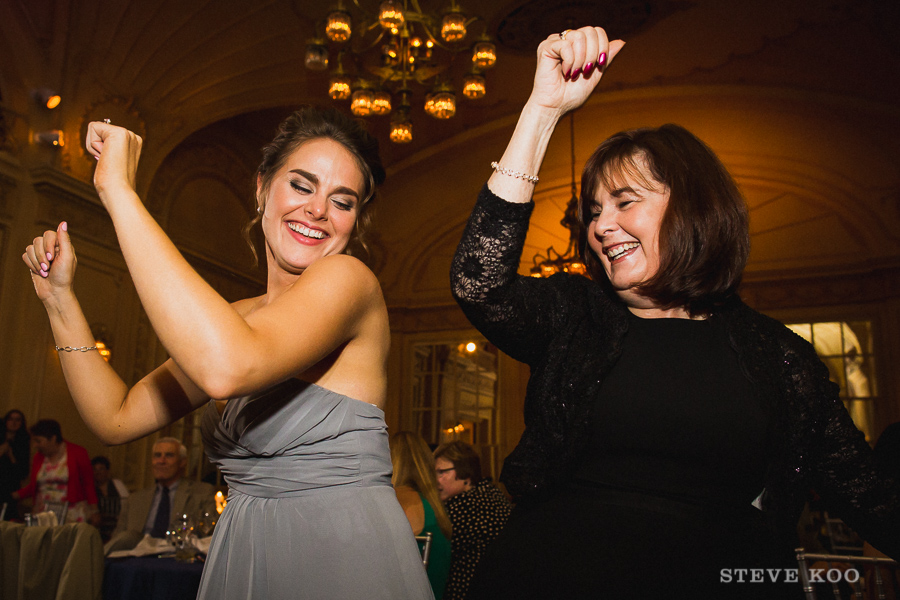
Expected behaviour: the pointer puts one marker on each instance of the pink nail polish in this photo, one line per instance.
(44, 267)
(587, 68)
(49, 256)
(65, 226)
(575, 73)
(601, 60)
(43, 273)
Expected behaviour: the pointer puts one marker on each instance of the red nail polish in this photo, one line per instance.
(575, 73)
(601, 60)
(568, 74)
(587, 68)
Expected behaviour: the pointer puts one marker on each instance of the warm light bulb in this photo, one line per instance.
(103, 350)
(401, 131)
(473, 86)
(381, 105)
(338, 26)
(220, 502)
(361, 102)
(441, 104)
(453, 27)
(484, 55)
(316, 58)
(339, 87)
(470, 347)
(390, 15)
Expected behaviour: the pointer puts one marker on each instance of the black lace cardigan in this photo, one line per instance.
(569, 330)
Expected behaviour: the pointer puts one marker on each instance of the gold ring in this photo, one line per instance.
(563, 35)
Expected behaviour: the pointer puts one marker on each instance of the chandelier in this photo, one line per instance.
(379, 59)
(568, 261)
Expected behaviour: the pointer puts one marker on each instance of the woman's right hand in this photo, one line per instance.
(51, 259)
(569, 69)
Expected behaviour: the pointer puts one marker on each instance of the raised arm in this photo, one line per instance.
(509, 309)
(568, 69)
(226, 353)
(115, 413)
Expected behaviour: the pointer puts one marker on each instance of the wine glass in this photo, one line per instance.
(206, 521)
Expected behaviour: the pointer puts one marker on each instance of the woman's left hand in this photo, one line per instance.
(117, 151)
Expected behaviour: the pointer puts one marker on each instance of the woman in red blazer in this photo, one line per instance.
(60, 472)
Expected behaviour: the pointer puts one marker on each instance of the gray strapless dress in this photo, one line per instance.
(311, 512)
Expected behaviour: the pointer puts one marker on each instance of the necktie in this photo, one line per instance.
(161, 523)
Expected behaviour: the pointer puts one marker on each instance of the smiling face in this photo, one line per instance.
(167, 463)
(624, 232)
(311, 206)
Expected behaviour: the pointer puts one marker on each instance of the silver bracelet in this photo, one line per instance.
(529, 178)
(75, 349)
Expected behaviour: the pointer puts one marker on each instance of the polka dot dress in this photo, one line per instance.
(478, 516)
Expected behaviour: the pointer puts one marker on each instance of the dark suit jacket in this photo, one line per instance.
(191, 498)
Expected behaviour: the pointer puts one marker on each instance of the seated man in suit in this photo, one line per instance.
(153, 510)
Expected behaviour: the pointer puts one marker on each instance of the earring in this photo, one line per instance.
(259, 210)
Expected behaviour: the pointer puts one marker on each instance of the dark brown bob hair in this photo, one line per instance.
(316, 122)
(466, 461)
(704, 238)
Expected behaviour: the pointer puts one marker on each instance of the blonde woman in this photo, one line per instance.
(417, 490)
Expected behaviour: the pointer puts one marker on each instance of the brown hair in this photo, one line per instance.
(413, 466)
(704, 238)
(466, 461)
(311, 123)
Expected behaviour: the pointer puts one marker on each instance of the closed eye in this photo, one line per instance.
(301, 187)
(341, 204)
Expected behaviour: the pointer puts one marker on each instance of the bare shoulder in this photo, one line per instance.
(343, 274)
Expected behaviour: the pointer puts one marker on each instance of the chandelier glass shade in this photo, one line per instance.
(569, 261)
(373, 59)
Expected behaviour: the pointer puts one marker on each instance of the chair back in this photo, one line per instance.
(59, 509)
(848, 576)
(424, 542)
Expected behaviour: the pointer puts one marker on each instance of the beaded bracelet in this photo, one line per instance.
(76, 349)
(529, 178)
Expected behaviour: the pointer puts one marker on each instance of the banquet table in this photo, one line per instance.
(151, 578)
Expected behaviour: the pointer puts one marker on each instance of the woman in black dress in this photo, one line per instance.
(15, 459)
(672, 433)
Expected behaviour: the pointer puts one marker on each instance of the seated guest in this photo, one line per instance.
(478, 511)
(153, 510)
(15, 456)
(60, 472)
(110, 494)
(416, 486)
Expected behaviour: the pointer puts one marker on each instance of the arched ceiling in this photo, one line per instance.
(798, 98)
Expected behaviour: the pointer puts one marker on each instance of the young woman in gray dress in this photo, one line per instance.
(301, 438)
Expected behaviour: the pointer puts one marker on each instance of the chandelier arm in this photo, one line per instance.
(364, 11)
(374, 43)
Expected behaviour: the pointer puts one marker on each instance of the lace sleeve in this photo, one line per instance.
(843, 467)
(515, 313)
